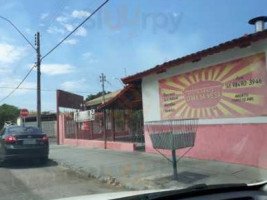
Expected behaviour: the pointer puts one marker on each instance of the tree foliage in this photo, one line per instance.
(93, 96)
(8, 113)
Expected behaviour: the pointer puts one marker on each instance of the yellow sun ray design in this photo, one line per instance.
(236, 108)
(186, 114)
(227, 69)
(184, 81)
(178, 105)
(250, 68)
(169, 91)
(209, 74)
(198, 113)
(216, 73)
(171, 113)
(178, 114)
(191, 79)
(196, 77)
(223, 109)
(203, 112)
(203, 74)
(193, 113)
(257, 99)
(208, 111)
(216, 113)
(171, 83)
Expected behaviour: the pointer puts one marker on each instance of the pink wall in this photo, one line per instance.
(119, 146)
(235, 143)
(61, 131)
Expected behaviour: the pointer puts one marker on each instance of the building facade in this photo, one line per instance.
(225, 87)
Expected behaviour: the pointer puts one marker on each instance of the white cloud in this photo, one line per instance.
(87, 54)
(4, 69)
(62, 19)
(56, 69)
(8, 84)
(69, 27)
(74, 85)
(11, 54)
(80, 14)
(41, 24)
(28, 31)
(44, 15)
(89, 57)
(71, 41)
(81, 32)
(54, 29)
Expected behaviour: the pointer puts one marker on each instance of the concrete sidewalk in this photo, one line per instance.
(139, 170)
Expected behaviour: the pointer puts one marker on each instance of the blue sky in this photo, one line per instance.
(125, 37)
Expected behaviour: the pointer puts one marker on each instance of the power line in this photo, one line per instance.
(88, 9)
(93, 13)
(14, 26)
(18, 85)
(44, 90)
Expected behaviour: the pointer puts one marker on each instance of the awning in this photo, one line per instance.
(130, 97)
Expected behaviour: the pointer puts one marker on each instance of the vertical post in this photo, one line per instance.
(58, 141)
(76, 126)
(38, 65)
(102, 80)
(174, 165)
(113, 124)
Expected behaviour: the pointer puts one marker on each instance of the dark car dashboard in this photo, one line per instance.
(210, 192)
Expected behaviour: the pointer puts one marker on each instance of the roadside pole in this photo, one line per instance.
(102, 80)
(38, 66)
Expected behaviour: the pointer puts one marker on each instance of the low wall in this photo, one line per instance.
(48, 127)
(119, 146)
(235, 143)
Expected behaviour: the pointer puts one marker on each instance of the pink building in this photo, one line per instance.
(225, 86)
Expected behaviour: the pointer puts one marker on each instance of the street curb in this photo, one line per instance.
(104, 179)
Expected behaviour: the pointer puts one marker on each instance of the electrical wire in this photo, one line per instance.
(96, 10)
(92, 14)
(14, 26)
(3, 99)
(88, 9)
(43, 90)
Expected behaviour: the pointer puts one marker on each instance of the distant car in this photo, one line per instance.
(23, 142)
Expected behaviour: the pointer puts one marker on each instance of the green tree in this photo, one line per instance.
(8, 113)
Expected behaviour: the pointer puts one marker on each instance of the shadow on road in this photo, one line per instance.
(23, 164)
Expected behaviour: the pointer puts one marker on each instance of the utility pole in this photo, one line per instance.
(103, 80)
(38, 66)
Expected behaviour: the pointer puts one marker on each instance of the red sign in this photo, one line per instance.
(24, 113)
(86, 126)
(232, 89)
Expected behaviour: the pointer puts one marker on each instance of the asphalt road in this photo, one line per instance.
(31, 180)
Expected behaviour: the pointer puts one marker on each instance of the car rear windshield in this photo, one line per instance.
(24, 130)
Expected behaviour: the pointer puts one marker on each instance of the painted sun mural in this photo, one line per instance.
(234, 89)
